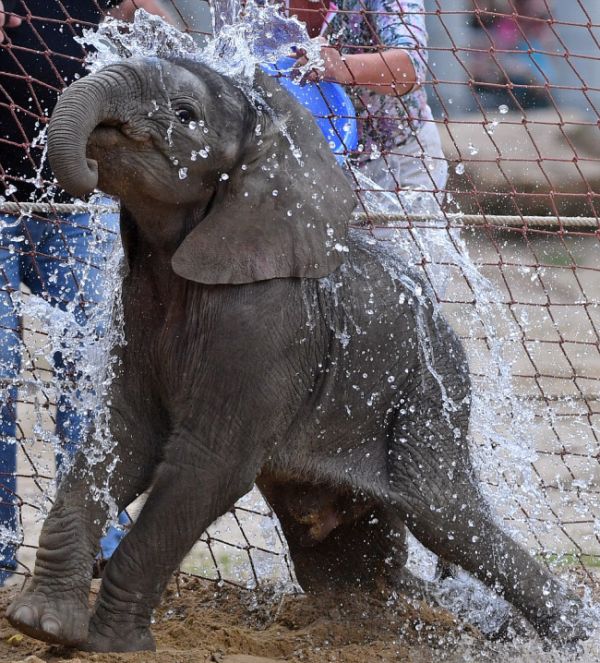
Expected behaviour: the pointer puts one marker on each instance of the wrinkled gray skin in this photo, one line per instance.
(238, 368)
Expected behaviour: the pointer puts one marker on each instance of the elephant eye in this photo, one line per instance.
(185, 115)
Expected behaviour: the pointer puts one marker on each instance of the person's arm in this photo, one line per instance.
(7, 21)
(127, 9)
(400, 63)
(389, 71)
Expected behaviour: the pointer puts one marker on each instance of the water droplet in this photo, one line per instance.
(491, 127)
(459, 169)
(503, 109)
(375, 152)
(224, 176)
(183, 173)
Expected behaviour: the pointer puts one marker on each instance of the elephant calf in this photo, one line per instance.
(264, 343)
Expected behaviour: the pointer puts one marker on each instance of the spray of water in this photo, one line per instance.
(89, 363)
(258, 35)
(502, 424)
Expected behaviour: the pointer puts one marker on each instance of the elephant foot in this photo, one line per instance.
(58, 618)
(128, 637)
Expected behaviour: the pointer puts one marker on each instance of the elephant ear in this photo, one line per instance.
(285, 213)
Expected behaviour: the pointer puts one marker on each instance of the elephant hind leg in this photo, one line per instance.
(339, 541)
(432, 483)
(358, 555)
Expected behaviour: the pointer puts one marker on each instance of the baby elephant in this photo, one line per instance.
(264, 343)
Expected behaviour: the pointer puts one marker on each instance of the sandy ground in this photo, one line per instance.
(205, 623)
(199, 622)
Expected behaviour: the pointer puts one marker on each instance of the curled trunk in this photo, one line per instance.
(81, 108)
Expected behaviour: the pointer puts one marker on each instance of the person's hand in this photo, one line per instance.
(335, 68)
(7, 21)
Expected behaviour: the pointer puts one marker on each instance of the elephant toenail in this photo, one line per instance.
(24, 615)
(50, 625)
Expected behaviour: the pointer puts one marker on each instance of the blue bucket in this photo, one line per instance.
(328, 102)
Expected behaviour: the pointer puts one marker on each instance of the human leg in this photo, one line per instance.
(10, 363)
(418, 165)
(69, 271)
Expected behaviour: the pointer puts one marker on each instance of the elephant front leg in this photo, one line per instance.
(55, 606)
(184, 500)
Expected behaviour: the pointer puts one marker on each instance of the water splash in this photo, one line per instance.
(224, 13)
(146, 36)
(87, 350)
(260, 34)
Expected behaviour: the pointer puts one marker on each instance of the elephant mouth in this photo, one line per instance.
(105, 136)
(113, 134)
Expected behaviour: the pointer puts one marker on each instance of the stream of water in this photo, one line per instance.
(503, 424)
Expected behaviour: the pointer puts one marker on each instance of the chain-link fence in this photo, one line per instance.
(508, 242)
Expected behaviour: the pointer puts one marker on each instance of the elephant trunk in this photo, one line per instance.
(81, 108)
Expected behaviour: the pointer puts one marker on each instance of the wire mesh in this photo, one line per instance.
(514, 86)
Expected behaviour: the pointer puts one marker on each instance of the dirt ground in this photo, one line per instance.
(204, 623)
